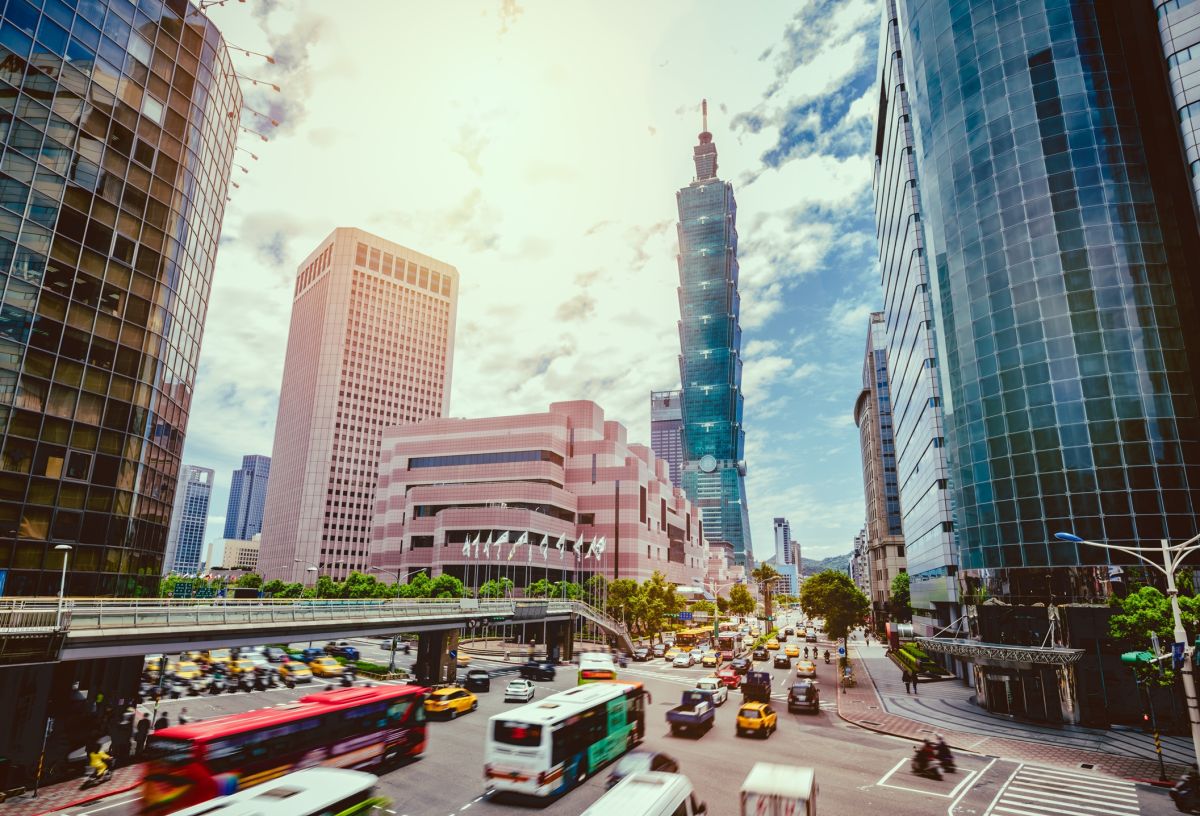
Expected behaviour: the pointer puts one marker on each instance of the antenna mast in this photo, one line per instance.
(704, 113)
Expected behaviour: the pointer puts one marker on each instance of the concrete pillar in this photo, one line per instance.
(434, 664)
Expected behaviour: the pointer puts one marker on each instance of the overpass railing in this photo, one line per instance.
(20, 616)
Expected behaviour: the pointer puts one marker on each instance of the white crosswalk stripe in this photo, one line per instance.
(1036, 791)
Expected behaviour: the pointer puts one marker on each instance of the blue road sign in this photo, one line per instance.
(1177, 654)
(453, 654)
(685, 615)
(841, 651)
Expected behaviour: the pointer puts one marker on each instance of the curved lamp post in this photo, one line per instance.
(1172, 560)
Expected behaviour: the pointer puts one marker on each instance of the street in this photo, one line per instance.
(858, 771)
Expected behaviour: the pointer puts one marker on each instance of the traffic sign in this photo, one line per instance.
(453, 653)
(685, 615)
(1177, 655)
(841, 651)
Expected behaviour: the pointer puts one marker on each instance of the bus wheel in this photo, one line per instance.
(581, 773)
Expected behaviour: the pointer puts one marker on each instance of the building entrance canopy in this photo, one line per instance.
(979, 652)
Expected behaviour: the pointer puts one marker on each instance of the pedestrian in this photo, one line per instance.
(914, 679)
(183, 717)
(162, 722)
(907, 678)
(141, 732)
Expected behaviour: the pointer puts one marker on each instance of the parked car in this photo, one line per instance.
(519, 690)
(695, 712)
(757, 718)
(478, 680)
(714, 685)
(741, 665)
(636, 761)
(538, 670)
(342, 649)
(782, 661)
(730, 676)
(804, 696)
(683, 660)
(641, 654)
(451, 701)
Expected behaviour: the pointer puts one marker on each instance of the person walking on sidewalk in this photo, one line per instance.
(907, 678)
(141, 733)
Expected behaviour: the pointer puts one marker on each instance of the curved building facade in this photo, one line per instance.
(1059, 237)
(118, 123)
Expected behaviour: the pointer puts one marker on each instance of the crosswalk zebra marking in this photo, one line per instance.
(1040, 791)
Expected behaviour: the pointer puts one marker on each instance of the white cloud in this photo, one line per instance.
(850, 317)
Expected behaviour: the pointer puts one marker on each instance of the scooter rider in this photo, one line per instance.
(99, 761)
(806, 653)
(943, 754)
(827, 657)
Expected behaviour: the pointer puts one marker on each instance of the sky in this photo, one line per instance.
(537, 147)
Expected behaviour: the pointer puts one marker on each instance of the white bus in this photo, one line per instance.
(311, 792)
(546, 748)
(596, 667)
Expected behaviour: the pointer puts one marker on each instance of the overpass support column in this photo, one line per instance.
(434, 664)
(560, 640)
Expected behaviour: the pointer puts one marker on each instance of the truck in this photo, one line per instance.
(756, 688)
(779, 790)
(696, 712)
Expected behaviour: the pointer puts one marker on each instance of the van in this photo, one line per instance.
(649, 793)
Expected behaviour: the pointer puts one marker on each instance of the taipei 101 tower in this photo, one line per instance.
(710, 364)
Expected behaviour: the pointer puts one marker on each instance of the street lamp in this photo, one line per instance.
(311, 566)
(1172, 560)
(65, 549)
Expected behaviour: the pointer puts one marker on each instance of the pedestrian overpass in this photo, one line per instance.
(39, 630)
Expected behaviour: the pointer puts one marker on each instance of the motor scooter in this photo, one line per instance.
(97, 774)
(826, 657)
(1185, 793)
(922, 765)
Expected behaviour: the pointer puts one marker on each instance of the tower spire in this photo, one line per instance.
(705, 153)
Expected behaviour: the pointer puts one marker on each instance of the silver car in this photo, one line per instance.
(683, 660)
(519, 690)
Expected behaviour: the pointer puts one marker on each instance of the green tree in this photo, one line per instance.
(741, 602)
(446, 586)
(568, 590)
(419, 585)
(594, 589)
(1147, 610)
(833, 596)
(360, 585)
(765, 576)
(621, 595)
(541, 588)
(251, 580)
(273, 587)
(292, 590)
(901, 599)
(703, 606)
(326, 587)
(722, 604)
(495, 588)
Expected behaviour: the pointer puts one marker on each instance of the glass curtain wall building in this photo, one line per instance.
(1058, 225)
(710, 364)
(118, 122)
(185, 542)
(1179, 30)
(247, 497)
(666, 429)
(922, 471)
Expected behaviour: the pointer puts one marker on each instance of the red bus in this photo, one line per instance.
(348, 728)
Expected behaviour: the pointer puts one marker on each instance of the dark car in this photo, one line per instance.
(538, 670)
(641, 654)
(781, 637)
(659, 649)
(782, 661)
(789, 631)
(342, 649)
(804, 696)
(761, 653)
(741, 665)
(275, 654)
(310, 654)
(478, 680)
(637, 761)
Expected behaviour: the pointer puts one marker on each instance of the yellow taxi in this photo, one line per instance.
(710, 660)
(791, 650)
(462, 660)
(153, 664)
(184, 670)
(451, 701)
(672, 653)
(195, 657)
(325, 667)
(755, 631)
(295, 671)
(773, 644)
(215, 656)
(241, 666)
(806, 668)
(756, 718)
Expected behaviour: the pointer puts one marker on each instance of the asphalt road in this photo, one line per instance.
(858, 771)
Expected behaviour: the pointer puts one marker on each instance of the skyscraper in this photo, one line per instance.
(371, 344)
(1038, 140)
(247, 498)
(666, 429)
(710, 364)
(113, 182)
(787, 556)
(1179, 30)
(873, 416)
(189, 517)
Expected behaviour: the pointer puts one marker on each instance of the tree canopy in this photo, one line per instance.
(901, 599)
(833, 596)
(741, 602)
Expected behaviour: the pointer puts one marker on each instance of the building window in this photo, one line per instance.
(79, 466)
(152, 109)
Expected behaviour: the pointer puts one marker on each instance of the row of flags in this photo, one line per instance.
(471, 549)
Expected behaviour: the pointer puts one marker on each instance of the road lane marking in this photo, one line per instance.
(883, 782)
(1003, 788)
(959, 798)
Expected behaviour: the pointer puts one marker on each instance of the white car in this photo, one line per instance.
(521, 690)
(684, 660)
(696, 655)
(718, 689)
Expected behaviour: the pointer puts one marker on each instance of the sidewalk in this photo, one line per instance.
(53, 798)
(879, 703)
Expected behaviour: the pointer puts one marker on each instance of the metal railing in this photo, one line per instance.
(20, 616)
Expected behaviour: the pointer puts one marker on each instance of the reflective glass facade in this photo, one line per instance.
(247, 497)
(710, 364)
(118, 122)
(915, 392)
(1179, 30)
(185, 542)
(1059, 252)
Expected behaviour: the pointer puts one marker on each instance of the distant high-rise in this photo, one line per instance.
(710, 364)
(787, 555)
(666, 429)
(185, 542)
(247, 498)
(873, 416)
(371, 344)
(1179, 31)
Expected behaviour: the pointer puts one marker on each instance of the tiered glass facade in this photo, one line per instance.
(247, 497)
(185, 542)
(1060, 251)
(710, 364)
(118, 123)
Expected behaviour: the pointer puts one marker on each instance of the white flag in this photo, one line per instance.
(579, 545)
(545, 545)
(466, 550)
(477, 537)
(487, 547)
(591, 549)
(524, 539)
(500, 541)
(562, 540)
(600, 545)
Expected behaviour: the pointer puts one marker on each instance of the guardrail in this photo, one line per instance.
(18, 617)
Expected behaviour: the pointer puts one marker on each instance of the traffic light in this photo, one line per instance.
(1137, 658)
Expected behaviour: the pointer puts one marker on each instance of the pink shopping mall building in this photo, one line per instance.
(565, 473)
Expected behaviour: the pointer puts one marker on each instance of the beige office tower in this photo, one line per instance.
(371, 344)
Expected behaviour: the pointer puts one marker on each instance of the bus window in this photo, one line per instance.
(520, 734)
